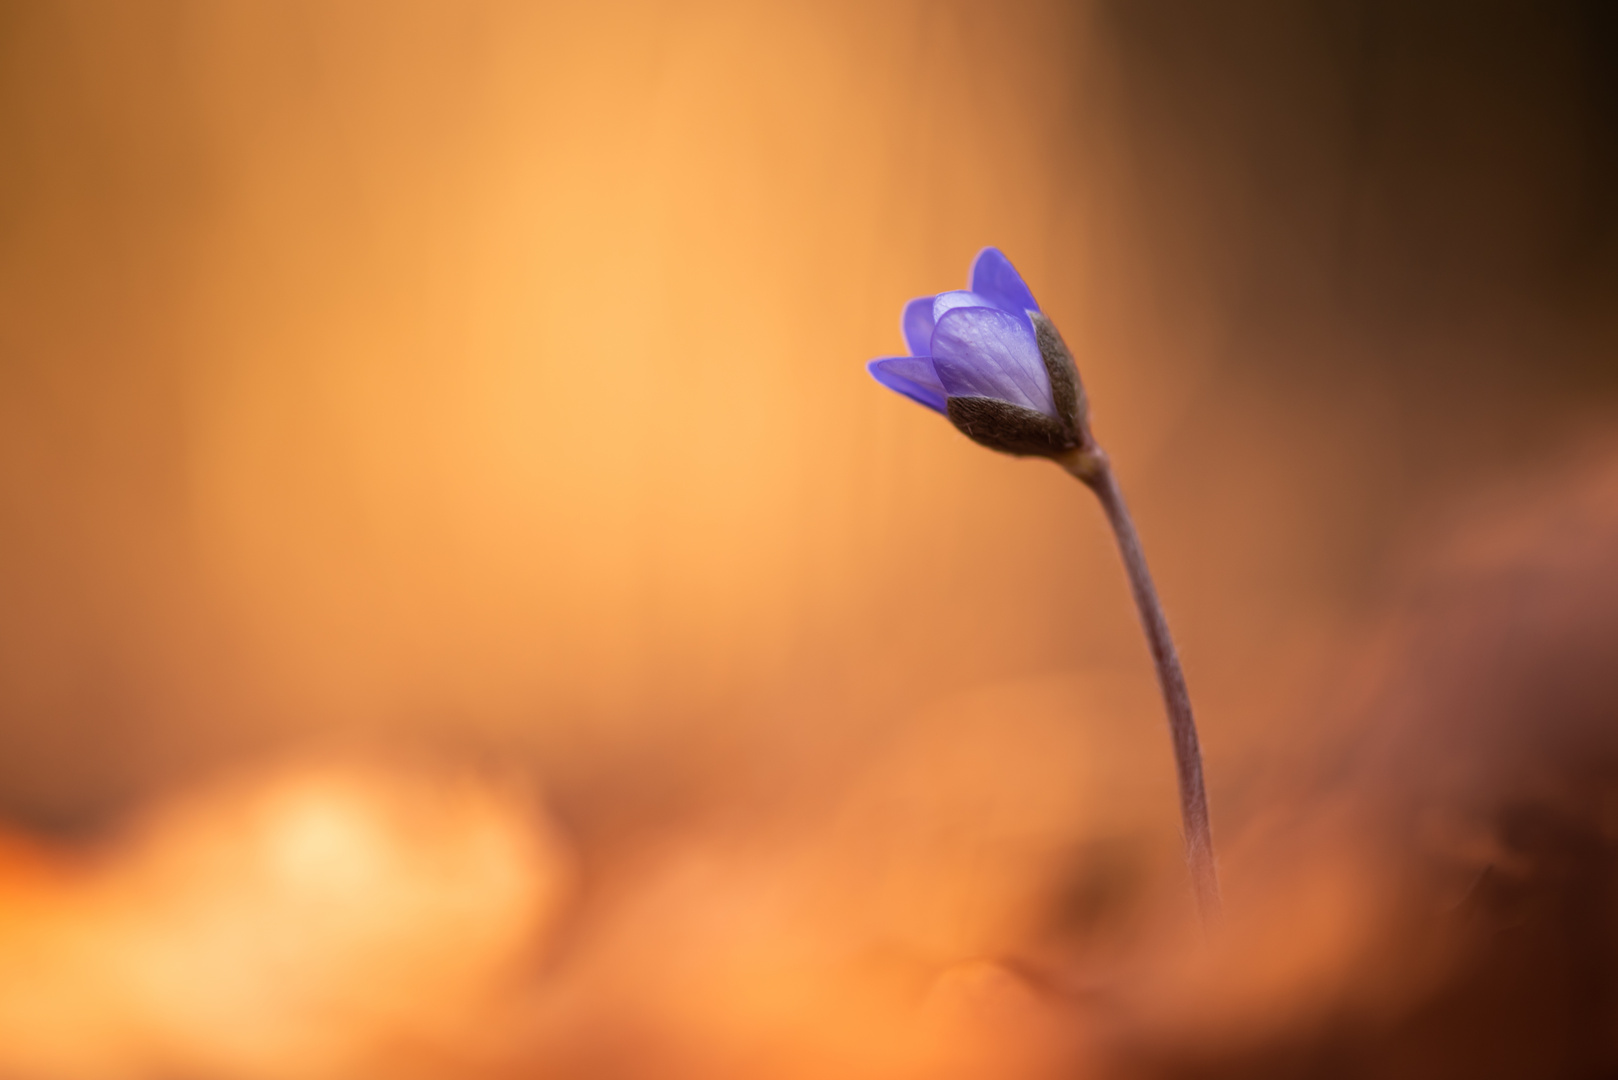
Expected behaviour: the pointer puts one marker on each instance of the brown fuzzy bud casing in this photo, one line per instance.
(1014, 429)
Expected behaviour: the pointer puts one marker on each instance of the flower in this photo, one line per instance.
(989, 359)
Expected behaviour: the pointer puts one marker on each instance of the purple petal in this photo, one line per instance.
(949, 301)
(912, 376)
(985, 352)
(917, 325)
(994, 278)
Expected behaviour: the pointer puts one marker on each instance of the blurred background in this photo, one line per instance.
(465, 610)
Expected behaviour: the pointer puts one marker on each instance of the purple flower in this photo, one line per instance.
(989, 359)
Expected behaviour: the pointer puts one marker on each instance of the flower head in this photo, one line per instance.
(989, 359)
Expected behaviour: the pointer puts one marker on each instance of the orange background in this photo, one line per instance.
(484, 382)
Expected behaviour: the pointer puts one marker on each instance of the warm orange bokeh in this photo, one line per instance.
(389, 388)
(304, 924)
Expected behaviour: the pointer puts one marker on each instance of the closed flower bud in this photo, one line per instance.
(989, 359)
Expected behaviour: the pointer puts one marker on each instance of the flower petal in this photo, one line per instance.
(917, 324)
(949, 301)
(986, 352)
(994, 278)
(912, 376)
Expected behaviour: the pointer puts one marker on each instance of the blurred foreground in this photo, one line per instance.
(1431, 890)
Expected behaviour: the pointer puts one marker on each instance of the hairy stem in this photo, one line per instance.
(1091, 466)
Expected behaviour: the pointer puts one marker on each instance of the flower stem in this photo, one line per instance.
(1090, 465)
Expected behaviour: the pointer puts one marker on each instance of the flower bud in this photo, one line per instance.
(990, 360)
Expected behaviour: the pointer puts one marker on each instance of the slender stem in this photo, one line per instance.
(1091, 466)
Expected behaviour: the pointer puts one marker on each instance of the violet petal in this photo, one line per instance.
(994, 278)
(917, 324)
(949, 301)
(912, 376)
(986, 352)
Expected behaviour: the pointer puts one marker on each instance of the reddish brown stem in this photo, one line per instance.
(1091, 466)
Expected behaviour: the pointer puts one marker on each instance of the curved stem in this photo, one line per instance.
(1090, 465)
